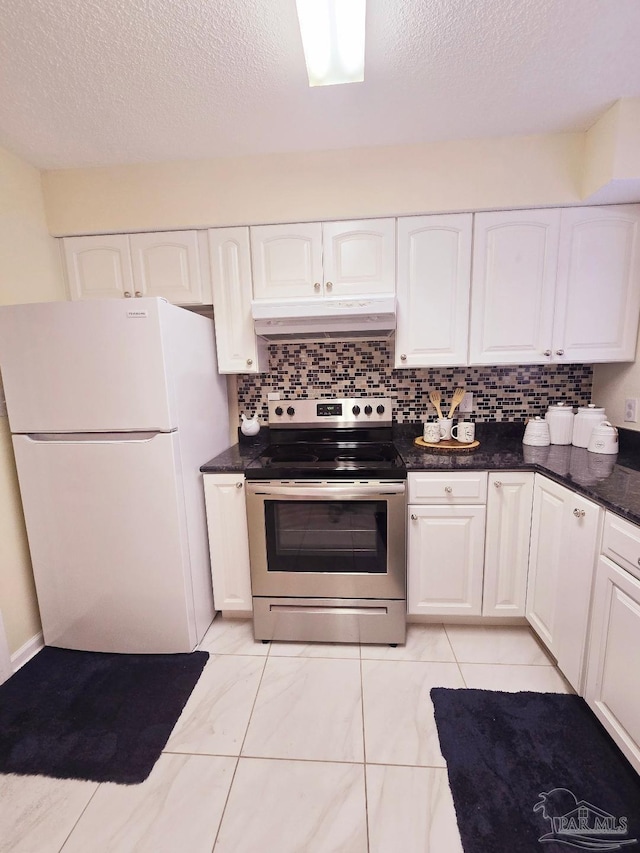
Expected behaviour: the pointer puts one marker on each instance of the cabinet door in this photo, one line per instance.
(434, 276)
(98, 267)
(228, 541)
(613, 686)
(168, 264)
(287, 260)
(445, 555)
(506, 557)
(238, 348)
(598, 291)
(515, 255)
(564, 537)
(359, 257)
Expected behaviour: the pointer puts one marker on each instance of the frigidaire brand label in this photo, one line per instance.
(137, 315)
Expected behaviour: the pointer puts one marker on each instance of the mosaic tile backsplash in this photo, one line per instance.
(352, 369)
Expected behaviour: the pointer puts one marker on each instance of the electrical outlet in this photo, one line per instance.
(631, 410)
(466, 404)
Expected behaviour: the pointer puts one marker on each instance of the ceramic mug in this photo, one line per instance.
(464, 431)
(445, 427)
(431, 432)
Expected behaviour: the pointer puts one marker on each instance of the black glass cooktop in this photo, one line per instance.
(336, 459)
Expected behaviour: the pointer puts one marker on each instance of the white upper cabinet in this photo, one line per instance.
(239, 350)
(323, 259)
(98, 267)
(287, 260)
(359, 257)
(171, 264)
(555, 285)
(598, 287)
(515, 258)
(168, 265)
(434, 275)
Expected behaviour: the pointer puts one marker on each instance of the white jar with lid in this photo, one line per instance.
(585, 420)
(560, 420)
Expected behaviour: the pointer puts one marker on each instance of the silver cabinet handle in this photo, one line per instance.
(547, 352)
(559, 352)
(414, 517)
(639, 561)
(127, 295)
(239, 485)
(316, 286)
(498, 484)
(138, 293)
(448, 489)
(403, 357)
(579, 513)
(329, 285)
(249, 361)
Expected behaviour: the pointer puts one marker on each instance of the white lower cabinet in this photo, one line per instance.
(446, 543)
(565, 533)
(506, 556)
(612, 685)
(228, 541)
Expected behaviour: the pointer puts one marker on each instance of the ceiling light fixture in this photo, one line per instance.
(333, 40)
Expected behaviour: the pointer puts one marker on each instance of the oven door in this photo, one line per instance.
(335, 539)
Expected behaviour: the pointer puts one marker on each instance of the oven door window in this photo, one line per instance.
(340, 537)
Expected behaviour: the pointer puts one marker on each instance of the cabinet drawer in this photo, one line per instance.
(459, 488)
(621, 543)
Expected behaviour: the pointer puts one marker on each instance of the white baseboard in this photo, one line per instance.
(27, 651)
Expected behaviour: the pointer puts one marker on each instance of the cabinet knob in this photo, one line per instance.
(127, 295)
(316, 286)
(329, 285)
(403, 357)
(414, 517)
(559, 352)
(138, 293)
(547, 352)
(498, 484)
(238, 485)
(448, 489)
(579, 513)
(249, 361)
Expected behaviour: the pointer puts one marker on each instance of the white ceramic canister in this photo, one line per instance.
(585, 420)
(560, 419)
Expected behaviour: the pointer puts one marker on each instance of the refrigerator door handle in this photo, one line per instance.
(93, 437)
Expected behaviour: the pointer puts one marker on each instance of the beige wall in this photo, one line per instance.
(29, 272)
(466, 175)
(612, 384)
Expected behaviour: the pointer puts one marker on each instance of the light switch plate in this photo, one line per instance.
(466, 404)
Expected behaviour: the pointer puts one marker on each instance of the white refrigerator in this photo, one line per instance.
(113, 407)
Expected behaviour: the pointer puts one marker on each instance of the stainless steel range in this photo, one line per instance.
(327, 518)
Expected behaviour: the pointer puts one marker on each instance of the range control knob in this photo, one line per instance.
(291, 410)
(367, 410)
(380, 410)
(278, 410)
(356, 410)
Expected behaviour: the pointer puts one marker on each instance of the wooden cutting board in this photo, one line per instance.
(447, 445)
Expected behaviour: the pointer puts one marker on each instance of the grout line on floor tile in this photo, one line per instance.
(364, 754)
(303, 760)
(64, 843)
(235, 770)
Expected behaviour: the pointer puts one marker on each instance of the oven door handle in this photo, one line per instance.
(323, 490)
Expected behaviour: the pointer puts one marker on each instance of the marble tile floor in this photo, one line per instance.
(290, 748)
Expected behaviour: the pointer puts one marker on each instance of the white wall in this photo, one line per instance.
(366, 182)
(29, 272)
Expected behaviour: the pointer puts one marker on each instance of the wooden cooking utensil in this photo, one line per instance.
(458, 394)
(435, 398)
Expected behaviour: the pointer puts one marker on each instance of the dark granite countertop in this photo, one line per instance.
(611, 481)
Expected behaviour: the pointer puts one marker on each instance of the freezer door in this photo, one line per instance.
(107, 532)
(86, 366)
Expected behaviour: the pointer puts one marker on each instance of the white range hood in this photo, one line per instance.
(325, 318)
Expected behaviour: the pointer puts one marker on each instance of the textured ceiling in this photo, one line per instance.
(96, 82)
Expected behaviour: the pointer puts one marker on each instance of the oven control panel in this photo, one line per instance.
(334, 412)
